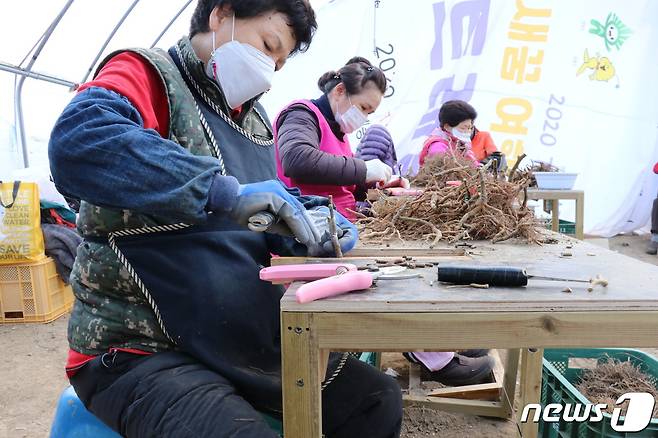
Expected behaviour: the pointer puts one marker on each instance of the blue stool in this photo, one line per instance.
(73, 420)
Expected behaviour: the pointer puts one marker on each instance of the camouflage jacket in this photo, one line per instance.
(110, 311)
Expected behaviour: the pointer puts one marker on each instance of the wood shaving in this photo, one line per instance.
(599, 281)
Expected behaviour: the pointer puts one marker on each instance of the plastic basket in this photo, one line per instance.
(564, 227)
(555, 180)
(559, 374)
(33, 292)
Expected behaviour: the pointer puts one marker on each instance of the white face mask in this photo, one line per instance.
(241, 70)
(352, 119)
(463, 136)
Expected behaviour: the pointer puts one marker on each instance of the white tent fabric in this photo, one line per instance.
(432, 50)
(70, 51)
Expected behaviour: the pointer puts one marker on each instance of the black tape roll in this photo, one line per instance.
(492, 275)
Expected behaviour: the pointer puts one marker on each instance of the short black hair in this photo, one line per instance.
(301, 16)
(355, 74)
(453, 112)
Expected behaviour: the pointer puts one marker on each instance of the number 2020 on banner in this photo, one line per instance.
(387, 64)
(552, 122)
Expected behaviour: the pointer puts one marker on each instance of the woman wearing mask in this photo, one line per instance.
(453, 135)
(313, 152)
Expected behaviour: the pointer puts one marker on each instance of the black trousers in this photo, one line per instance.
(173, 395)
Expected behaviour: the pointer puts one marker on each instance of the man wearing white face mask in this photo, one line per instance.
(313, 152)
(173, 334)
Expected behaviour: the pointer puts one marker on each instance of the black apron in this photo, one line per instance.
(203, 284)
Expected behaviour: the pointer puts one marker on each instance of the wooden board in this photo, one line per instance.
(363, 255)
(508, 394)
(461, 330)
(473, 407)
(554, 194)
(362, 261)
(301, 378)
(397, 251)
(483, 391)
(531, 375)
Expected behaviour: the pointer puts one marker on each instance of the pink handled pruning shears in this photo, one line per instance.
(330, 279)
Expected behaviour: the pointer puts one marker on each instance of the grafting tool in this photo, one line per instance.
(505, 276)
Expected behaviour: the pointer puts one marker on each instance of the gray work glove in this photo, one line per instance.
(345, 230)
(292, 218)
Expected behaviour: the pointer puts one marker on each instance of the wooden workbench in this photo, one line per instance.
(421, 314)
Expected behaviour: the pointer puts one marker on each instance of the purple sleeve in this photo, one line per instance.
(377, 144)
(298, 138)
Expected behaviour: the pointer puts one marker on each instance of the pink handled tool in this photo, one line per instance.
(332, 286)
(399, 191)
(307, 272)
(330, 279)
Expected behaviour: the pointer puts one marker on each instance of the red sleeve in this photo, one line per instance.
(655, 168)
(135, 78)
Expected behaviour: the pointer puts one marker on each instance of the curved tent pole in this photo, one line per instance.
(20, 71)
(18, 91)
(157, 40)
(109, 38)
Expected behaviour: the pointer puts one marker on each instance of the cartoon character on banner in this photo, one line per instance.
(613, 31)
(601, 66)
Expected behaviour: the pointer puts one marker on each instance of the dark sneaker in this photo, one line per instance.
(652, 248)
(477, 352)
(462, 370)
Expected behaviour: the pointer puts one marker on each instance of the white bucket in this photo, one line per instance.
(555, 180)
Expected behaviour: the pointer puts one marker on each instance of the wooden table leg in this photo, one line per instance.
(555, 211)
(580, 216)
(531, 367)
(300, 369)
(508, 394)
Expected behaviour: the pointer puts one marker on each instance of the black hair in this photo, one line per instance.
(356, 73)
(301, 16)
(453, 112)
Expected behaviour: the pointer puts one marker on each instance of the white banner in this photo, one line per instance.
(572, 83)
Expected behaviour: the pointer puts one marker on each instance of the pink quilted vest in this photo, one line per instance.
(343, 195)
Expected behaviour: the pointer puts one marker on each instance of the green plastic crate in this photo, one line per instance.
(558, 380)
(275, 423)
(564, 227)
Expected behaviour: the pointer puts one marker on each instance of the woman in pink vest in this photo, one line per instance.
(313, 152)
(453, 135)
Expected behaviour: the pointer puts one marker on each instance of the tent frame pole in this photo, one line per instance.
(108, 39)
(18, 90)
(157, 40)
(38, 76)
